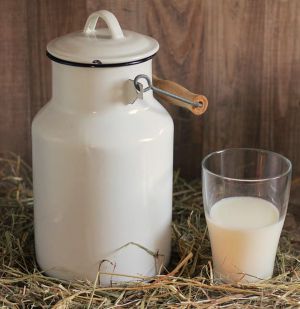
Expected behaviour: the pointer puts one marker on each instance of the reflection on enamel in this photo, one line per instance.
(161, 131)
(146, 140)
(134, 111)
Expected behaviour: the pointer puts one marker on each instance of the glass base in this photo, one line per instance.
(238, 278)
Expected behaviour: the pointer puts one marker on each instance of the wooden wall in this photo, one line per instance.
(244, 55)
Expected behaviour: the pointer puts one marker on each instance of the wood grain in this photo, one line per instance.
(244, 55)
(14, 83)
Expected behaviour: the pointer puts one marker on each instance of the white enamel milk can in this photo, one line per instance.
(102, 161)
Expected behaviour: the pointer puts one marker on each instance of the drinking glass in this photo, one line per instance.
(245, 196)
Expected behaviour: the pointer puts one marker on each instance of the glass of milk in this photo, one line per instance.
(245, 196)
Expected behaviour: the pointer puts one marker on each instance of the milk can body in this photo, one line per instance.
(102, 173)
(102, 176)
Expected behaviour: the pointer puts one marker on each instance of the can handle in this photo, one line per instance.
(110, 20)
(180, 91)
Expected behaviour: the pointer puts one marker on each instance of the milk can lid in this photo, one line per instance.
(110, 46)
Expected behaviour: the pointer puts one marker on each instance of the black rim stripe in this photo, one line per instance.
(97, 63)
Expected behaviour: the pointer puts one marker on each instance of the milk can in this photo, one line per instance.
(102, 159)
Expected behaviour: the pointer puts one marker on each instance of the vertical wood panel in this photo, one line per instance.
(232, 60)
(14, 83)
(280, 101)
(180, 29)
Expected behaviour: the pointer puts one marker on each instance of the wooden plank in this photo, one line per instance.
(280, 100)
(179, 27)
(233, 58)
(14, 92)
(280, 112)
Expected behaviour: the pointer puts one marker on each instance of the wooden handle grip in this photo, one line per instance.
(179, 90)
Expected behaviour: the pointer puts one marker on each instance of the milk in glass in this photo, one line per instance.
(244, 233)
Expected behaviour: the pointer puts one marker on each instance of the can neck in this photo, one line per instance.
(91, 89)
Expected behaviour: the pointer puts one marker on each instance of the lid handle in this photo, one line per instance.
(110, 20)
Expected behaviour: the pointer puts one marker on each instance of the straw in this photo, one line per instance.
(187, 283)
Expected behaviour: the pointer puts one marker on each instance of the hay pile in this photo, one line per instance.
(188, 283)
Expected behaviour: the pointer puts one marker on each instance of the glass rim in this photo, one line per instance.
(289, 165)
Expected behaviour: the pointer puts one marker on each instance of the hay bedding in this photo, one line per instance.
(188, 282)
